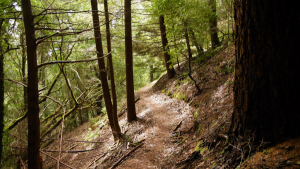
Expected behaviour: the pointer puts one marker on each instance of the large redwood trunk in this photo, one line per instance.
(131, 114)
(170, 71)
(1, 89)
(266, 88)
(32, 89)
(103, 75)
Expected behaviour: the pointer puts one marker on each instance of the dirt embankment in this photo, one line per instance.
(173, 120)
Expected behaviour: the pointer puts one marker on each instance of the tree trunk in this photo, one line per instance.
(131, 114)
(213, 25)
(198, 47)
(187, 39)
(99, 99)
(266, 88)
(32, 89)
(24, 70)
(1, 88)
(170, 71)
(101, 65)
(151, 72)
(111, 71)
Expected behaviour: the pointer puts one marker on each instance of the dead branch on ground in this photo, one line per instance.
(122, 158)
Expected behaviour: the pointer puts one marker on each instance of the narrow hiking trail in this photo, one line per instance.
(158, 116)
(198, 119)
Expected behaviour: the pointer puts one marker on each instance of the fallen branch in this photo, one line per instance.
(78, 151)
(97, 159)
(125, 108)
(74, 140)
(122, 158)
(60, 141)
(56, 160)
(177, 126)
(58, 122)
(43, 152)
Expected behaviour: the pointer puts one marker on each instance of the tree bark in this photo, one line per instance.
(24, 70)
(187, 39)
(32, 89)
(1, 89)
(266, 88)
(101, 64)
(198, 47)
(131, 114)
(170, 71)
(99, 99)
(213, 25)
(151, 72)
(111, 72)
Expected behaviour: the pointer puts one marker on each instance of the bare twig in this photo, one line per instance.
(60, 141)
(74, 140)
(97, 159)
(122, 158)
(56, 160)
(44, 152)
(21, 161)
(77, 151)
(177, 126)
(22, 84)
(53, 100)
(72, 61)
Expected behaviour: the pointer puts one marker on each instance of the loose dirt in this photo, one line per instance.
(158, 115)
(171, 118)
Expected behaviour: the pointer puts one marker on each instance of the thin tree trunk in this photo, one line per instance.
(266, 87)
(101, 65)
(111, 72)
(32, 89)
(170, 71)
(99, 99)
(198, 47)
(213, 25)
(131, 114)
(190, 57)
(151, 72)
(24, 70)
(177, 58)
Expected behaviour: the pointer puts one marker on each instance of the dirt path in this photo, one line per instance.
(157, 114)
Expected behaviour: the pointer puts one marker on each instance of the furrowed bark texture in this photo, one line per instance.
(32, 89)
(266, 88)
(131, 114)
(103, 74)
(170, 71)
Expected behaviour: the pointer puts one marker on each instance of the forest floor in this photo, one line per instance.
(177, 127)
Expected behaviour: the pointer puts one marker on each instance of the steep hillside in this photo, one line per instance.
(175, 122)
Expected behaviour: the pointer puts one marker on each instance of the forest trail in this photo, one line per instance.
(158, 115)
(161, 106)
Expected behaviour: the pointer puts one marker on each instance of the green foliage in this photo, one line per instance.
(180, 96)
(267, 151)
(83, 77)
(182, 141)
(200, 148)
